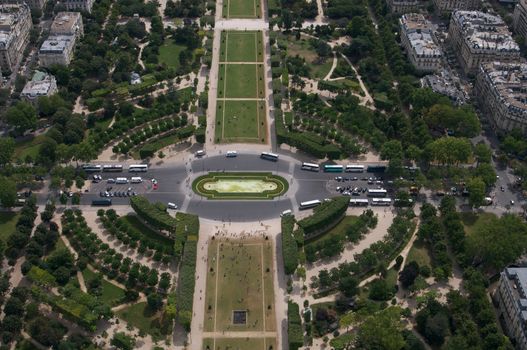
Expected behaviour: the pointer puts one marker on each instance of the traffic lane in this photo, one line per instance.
(163, 197)
(239, 211)
(242, 162)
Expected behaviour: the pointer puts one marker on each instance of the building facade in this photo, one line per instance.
(57, 49)
(417, 37)
(82, 5)
(67, 23)
(479, 37)
(15, 25)
(501, 89)
(520, 18)
(41, 84)
(447, 6)
(403, 6)
(512, 303)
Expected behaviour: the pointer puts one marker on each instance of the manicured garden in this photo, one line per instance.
(240, 186)
(241, 81)
(241, 46)
(146, 320)
(241, 121)
(242, 9)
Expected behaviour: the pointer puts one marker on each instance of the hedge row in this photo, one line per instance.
(304, 141)
(187, 225)
(152, 214)
(186, 283)
(294, 326)
(289, 245)
(325, 215)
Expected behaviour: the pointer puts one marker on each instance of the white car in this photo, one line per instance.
(171, 205)
(286, 212)
(154, 181)
(512, 202)
(200, 153)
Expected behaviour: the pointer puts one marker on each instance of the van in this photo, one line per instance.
(286, 213)
(136, 180)
(171, 205)
(232, 154)
(200, 153)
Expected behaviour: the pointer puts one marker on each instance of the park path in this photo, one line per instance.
(333, 66)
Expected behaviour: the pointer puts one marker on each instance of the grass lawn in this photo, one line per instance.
(141, 317)
(242, 9)
(240, 343)
(304, 49)
(28, 147)
(111, 294)
(420, 254)
(134, 221)
(241, 81)
(7, 224)
(339, 230)
(470, 220)
(240, 121)
(241, 47)
(169, 54)
(240, 277)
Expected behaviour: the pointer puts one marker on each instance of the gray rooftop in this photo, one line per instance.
(509, 80)
(56, 43)
(420, 34)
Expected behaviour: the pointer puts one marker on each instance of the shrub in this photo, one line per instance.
(152, 214)
(326, 214)
(186, 283)
(294, 326)
(289, 245)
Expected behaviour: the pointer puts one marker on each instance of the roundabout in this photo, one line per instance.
(240, 185)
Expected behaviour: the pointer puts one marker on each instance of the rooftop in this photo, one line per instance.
(10, 14)
(485, 31)
(444, 83)
(56, 43)
(40, 85)
(65, 23)
(517, 278)
(420, 34)
(510, 82)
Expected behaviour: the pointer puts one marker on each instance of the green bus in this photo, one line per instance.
(333, 168)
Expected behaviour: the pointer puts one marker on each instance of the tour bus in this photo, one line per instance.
(232, 154)
(138, 168)
(92, 168)
(121, 180)
(374, 192)
(333, 168)
(381, 201)
(112, 168)
(359, 202)
(376, 168)
(310, 204)
(269, 156)
(354, 168)
(101, 202)
(136, 180)
(310, 166)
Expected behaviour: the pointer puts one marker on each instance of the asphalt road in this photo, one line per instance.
(175, 181)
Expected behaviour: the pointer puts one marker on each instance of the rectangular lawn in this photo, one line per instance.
(241, 343)
(240, 277)
(241, 81)
(242, 9)
(7, 224)
(240, 121)
(241, 47)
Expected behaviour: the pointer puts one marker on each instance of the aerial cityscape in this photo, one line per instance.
(263, 174)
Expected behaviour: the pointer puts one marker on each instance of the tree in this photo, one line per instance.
(154, 301)
(409, 274)
(7, 149)
(7, 192)
(487, 173)
(392, 150)
(123, 341)
(450, 150)
(383, 331)
(348, 286)
(476, 189)
(22, 117)
(12, 323)
(483, 153)
(46, 331)
(380, 290)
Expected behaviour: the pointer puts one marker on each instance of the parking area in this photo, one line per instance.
(120, 185)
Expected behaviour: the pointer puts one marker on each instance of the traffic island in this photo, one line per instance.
(240, 186)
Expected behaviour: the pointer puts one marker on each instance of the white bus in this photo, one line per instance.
(310, 166)
(310, 204)
(136, 180)
(381, 201)
(269, 156)
(121, 180)
(359, 202)
(232, 154)
(333, 168)
(112, 168)
(374, 192)
(92, 168)
(138, 168)
(354, 168)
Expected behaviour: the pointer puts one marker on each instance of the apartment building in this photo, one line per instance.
(512, 303)
(445, 83)
(67, 23)
(41, 84)
(82, 5)
(447, 6)
(520, 18)
(501, 89)
(57, 49)
(417, 37)
(403, 6)
(15, 25)
(479, 37)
